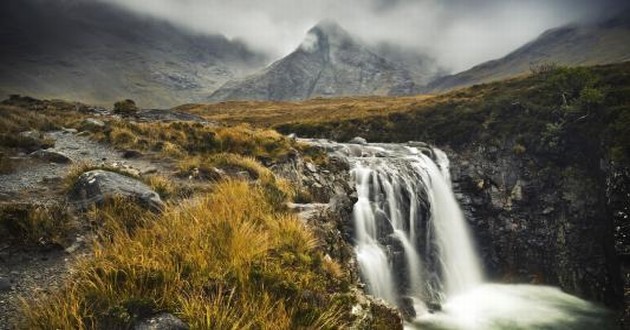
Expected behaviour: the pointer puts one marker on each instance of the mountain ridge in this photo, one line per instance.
(99, 53)
(603, 42)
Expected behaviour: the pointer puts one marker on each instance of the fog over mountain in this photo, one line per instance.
(458, 33)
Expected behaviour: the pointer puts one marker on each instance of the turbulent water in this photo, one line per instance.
(414, 248)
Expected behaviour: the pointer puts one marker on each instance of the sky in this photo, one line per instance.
(457, 33)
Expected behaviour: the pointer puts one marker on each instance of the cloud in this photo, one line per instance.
(458, 33)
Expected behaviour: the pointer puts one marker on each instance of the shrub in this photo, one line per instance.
(126, 107)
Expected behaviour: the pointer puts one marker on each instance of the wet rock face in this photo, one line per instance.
(95, 187)
(539, 221)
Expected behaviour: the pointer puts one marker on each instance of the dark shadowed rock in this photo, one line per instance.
(164, 321)
(95, 187)
(51, 156)
(5, 284)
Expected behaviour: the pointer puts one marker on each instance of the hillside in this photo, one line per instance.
(97, 53)
(540, 163)
(577, 44)
(329, 63)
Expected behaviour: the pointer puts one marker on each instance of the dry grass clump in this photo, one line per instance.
(163, 185)
(181, 139)
(36, 225)
(224, 261)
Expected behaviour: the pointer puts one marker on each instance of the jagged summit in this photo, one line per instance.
(326, 35)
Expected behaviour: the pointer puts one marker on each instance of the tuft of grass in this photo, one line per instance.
(227, 260)
(37, 225)
(163, 185)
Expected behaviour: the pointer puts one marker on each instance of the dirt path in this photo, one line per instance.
(24, 272)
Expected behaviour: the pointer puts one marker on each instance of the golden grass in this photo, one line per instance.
(224, 261)
(182, 139)
(163, 185)
(269, 113)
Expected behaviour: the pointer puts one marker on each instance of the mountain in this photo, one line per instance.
(329, 62)
(604, 42)
(98, 53)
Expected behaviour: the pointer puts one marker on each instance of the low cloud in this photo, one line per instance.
(457, 33)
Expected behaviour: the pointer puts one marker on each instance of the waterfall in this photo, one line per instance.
(411, 241)
(411, 237)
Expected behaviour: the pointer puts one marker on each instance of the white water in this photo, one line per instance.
(396, 186)
(460, 265)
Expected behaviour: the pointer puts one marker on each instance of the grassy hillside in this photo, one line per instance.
(536, 112)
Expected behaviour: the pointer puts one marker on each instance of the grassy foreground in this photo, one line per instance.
(228, 260)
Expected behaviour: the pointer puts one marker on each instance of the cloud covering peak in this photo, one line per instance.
(458, 33)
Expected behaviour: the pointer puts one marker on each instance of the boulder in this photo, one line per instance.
(163, 321)
(96, 186)
(92, 124)
(51, 156)
(358, 140)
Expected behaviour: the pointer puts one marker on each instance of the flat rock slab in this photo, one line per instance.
(51, 156)
(164, 321)
(96, 186)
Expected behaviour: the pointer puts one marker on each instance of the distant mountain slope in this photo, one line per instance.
(330, 62)
(584, 44)
(94, 52)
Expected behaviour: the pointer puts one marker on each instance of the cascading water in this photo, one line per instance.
(405, 200)
(411, 241)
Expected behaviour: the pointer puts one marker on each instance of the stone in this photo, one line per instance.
(5, 284)
(51, 156)
(96, 186)
(163, 321)
(406, 308)
(358, 140)
(311, 167)
(127, 154)
(70, 131)
(92, 124)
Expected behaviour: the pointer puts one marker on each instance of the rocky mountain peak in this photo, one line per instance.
(325, 36)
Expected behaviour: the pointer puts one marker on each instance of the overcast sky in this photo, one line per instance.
(458, 33)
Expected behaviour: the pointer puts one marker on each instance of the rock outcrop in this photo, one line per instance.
(537, 221)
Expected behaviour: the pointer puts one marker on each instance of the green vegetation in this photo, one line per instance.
(227, 260)
(125, 108)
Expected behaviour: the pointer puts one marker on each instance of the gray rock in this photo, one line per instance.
(163, 321)
(358, 140)
(70, 131)
(5, 284)
(92, 124)
(95, 187)
(51, 156)
(311, 167)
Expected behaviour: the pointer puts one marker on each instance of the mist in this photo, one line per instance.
(457, 33)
